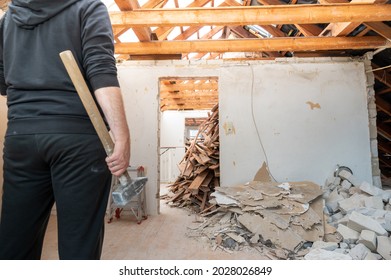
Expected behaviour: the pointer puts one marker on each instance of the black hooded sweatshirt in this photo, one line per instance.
(40, 95)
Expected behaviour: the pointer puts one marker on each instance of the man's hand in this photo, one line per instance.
(110, 100)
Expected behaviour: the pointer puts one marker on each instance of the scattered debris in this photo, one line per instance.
(278, 220)
(344, 219)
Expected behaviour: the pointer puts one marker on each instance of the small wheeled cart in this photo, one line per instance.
(136, 206)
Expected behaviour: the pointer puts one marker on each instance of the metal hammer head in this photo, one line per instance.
(123, 193)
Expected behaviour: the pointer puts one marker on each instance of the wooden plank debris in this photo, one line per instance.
(200, 167)
(194, 186)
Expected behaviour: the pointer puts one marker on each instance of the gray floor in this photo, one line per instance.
(161, 237)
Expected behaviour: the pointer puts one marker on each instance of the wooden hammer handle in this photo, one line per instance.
(90, 106)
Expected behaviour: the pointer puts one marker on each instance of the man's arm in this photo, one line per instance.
(3, 86)
(110, 100)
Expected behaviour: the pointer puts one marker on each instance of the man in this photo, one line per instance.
(51, 150)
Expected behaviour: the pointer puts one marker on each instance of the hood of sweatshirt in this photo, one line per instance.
(28, 14)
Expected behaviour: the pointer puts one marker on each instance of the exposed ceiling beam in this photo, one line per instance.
(185, 95)
(285, 14)
(333, 1)
(189, 86)
(200, 100)
(142, 33)
(254, 45)
(194, 106)
(155, 57)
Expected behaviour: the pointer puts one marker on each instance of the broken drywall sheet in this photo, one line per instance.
(286, 214)
(263, 174)
(308, 190)
(240, 192)
(222, 199)
(286, 239)
(282, 216)
(267, 188)
(281, 221)
(308, 219)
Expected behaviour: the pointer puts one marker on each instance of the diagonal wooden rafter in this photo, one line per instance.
(193, 29)
(142, 33)
(381, 28)
(152, 4)
(383, 105)
(382, 76)
(384, 130)
(209, 35)
(163, 31)
(305, 29)
(384, 91)
(344, 28)
(249, 33)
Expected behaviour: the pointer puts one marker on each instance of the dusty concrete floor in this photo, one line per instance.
(161, 237)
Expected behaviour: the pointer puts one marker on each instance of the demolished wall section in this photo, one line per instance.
(372, 115)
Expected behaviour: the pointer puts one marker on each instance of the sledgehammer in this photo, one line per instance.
(127, 187)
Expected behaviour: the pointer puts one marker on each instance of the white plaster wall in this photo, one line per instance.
(141, 104)
(300, 143)
(172, 136)
(172, 145)
(172, 129)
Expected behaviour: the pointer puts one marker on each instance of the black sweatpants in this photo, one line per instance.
(68, 169)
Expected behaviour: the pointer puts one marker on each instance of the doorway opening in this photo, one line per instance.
(186, 103)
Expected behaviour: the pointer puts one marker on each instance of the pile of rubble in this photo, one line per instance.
(343, 219)
(278, 219)
(361, 217)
